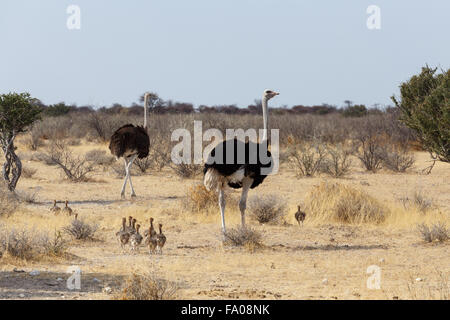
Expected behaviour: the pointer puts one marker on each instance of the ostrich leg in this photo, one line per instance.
(246, 183)
(222, 209)
(122, 193)
(133, 194)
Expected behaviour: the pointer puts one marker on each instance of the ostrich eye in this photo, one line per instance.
(269, 91)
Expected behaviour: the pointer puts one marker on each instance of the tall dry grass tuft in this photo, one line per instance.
(9, 202)
(434, 289)
(267, 209)
(29, 244)
(243, 237)
(437, 232)
(333, 202)
(81, 230)
(199, 199)
(147, 287)
(418, 201)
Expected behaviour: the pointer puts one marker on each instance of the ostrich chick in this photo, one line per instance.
(55, 209)
(160, 239)
(300, 216)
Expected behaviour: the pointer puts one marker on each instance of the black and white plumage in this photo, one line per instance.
(130, 142)
(247, 168)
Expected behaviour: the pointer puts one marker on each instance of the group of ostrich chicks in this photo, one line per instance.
(65, 210)
(130, 235)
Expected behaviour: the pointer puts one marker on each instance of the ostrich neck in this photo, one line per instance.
(265, 118)
(145, 111)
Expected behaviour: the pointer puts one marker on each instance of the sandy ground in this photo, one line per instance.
(315, 261)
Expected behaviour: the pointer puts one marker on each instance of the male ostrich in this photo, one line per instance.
(130, 142)
(247, 173)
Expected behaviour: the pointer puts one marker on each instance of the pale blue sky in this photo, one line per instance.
(219, 52)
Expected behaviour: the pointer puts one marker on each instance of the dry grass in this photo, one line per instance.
(100, 157)
(306, 158)
(337, 163)
(199, 199)
(146, 287)
(186, 170)
(418, 201)
(75, 168)
(8, 200)
(333, 202)
(28, 172)
(437, 232)
(29, 244)
(29, 196)
(81, 230)
(267, 209)
(439, 289)
(398, 158)
(328, 249)
(243, 237)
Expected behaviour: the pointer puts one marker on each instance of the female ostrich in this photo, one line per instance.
(129, 142)
(246, 173)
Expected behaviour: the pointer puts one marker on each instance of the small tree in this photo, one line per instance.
(358, 110)
(425, 108)
(17, 111)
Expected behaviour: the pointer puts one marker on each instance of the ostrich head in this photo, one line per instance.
(269, 94)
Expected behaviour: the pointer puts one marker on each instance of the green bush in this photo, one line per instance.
(425, 108)
(358, 110)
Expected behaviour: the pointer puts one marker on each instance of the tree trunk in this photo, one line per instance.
(12, 168)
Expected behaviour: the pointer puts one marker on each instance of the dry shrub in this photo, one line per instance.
(28, 196)
(370, 152)
(306, 158)
(437, 232)
(42, 157)
(28, 172)
(119, 169)
(32, 142)
(8, 200)
(55, 246)
(338, 162)
(398, 159)
(267, 209)
(147, 287)
(370, 140)
(142, 164)
(29, 244)
(243, 237)
(336, 202)
(198, 199)
(74, 167)
(104, 125)
(81, 230)
(160, 152)
(55, 128)
(34, 139)
(186, 170)
(419, 201)
(99, 157)
(19, 244)
(432, 289)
